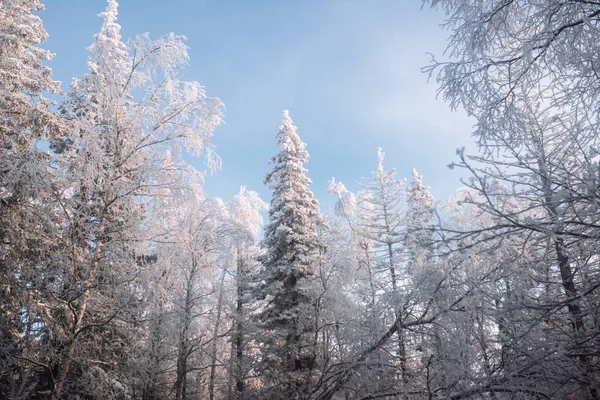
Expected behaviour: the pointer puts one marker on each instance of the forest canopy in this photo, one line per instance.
(120, 278)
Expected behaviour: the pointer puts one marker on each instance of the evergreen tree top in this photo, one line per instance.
(294, 213)
(292, 154)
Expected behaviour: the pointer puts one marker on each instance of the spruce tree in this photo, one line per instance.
(27, 215)
(419, 219)
(291, 247)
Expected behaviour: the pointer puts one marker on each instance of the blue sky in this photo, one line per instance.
(348, 71)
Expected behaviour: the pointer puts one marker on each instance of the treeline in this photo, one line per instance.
(120, 279)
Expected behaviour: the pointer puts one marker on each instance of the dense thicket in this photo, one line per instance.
(120, 279)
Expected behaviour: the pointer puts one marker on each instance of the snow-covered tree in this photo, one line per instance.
(523, 69)
(130, 118)
(291, 249)
(197, 260)
(382, 243)
(245, 212)
(28, 218)
(502, 51)
(361, 248)
(419, 221)
(383, 212)
(24, 78)
(196, 298)
(382, 204)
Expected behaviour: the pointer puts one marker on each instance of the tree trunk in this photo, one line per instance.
(239, 330)
(400, 331)
(562, 258)
(213, 352)
(67, 356)
(183, 352)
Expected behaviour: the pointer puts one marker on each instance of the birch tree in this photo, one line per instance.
(245, 212)
(126, 116)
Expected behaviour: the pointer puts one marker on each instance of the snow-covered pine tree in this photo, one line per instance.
(27, 219)
(419, 218)
(291, 248)
(24, 110)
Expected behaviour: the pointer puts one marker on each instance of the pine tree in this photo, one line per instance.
(27, 217)
(419, 217)
(24, 110)
(291, 246)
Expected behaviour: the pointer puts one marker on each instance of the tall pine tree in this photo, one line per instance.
(291, 248)
(27, 217)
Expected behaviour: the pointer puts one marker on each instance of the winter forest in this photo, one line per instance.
(121, 279)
